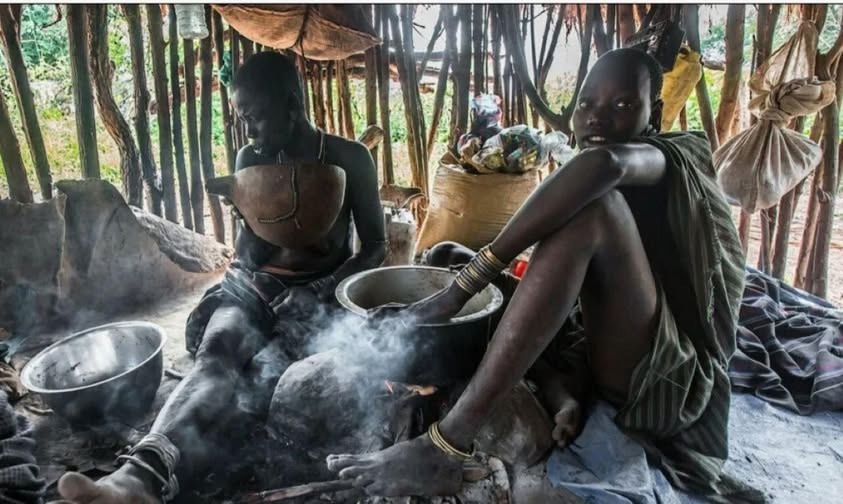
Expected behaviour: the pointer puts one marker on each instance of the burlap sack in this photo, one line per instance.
(321, 32)
(471, 209)
(760, 165)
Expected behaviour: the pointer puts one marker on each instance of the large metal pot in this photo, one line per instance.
(439, 354)
(103, 374)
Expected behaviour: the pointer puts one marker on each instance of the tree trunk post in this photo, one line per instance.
(734, 63)
(83, 94)
(12, 161)
(206, 63)
(155, 25)
(441, 85)
(497, 76)
(227, 122)
(197, 189)
(382, 61)
(479, 55)
(692, 28)
(26, 104)
(626, 22)
(178, 140)
(372, 88)
(141, 120)
(115, 123)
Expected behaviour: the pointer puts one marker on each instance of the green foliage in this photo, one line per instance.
(40, 45)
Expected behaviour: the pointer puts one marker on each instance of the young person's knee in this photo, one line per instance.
(446, 254)
(607, 213)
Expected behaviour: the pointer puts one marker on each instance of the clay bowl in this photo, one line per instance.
(290, 205)
(439, 354)
(103, 374)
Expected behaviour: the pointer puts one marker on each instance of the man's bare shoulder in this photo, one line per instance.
(350, 155)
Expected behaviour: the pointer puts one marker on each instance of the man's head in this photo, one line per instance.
(267, 95)
(619, 99)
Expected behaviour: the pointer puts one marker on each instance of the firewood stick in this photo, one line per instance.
(281, 494)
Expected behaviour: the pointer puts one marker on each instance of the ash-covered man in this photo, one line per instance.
(267, 295)
(636, 229)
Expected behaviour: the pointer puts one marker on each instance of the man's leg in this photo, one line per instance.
(201, 404)
(599, 253)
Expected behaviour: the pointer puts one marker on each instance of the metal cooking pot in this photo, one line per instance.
(441, 354)
(290, 205)
(107, 373)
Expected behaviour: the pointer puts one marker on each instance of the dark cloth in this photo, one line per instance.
(790, 347)
(20, 481)
(252, 291)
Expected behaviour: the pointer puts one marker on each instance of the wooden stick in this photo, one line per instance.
(26, 104)
(692, 27)
(113, 120)
(296, 491)
(155, 25)
(178, 140)
(205, 118)
(382, 64)
(479, 55)
(732, 77)
(372, 89)
(439, 98)
(12, 161)
(437, 32)
(83, 94)
(141, 119)
(197, 190)
(227, 122)
(333, 127)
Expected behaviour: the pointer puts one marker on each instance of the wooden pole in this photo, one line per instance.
(318, 95)
(12, 161)
(611, 23)
(234, 44)
(155, 25)
(197, 189)
(345, 100)
(441, 85)
(83, 95)
(497, 77)
(803, 262)
(115, 124)
(227, 120)
(371, 87)
(463, 68)
(20, 82)
(735, 19)
(437, 33)
(692, 32)
(479, 55)
(508, 16)
(601, 40)
(141, 96)
(626, 22)
(382, 61)
(206, 63)
(329, 98)
(178, 140)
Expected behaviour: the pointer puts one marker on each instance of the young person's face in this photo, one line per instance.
(614, 103)
(269, 121)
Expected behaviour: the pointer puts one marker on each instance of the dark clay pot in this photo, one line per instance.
(289, 205)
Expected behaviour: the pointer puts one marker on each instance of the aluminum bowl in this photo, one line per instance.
(438, 354)
(100, 375)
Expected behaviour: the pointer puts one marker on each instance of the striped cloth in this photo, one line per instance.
(20, 480)
(790, 347)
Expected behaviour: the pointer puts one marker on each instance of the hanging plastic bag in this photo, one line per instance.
(678, 85)
(760, 165)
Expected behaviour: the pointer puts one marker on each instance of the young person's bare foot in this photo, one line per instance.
(415, 467)
(121, 487)
(564, 406)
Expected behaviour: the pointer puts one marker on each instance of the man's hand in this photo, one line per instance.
(436, 308)
(295, 298)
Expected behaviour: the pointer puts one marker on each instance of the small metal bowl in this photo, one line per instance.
(100, 375)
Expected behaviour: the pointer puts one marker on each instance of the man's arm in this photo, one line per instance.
(367, 211)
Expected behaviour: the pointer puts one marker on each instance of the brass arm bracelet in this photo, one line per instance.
(479, 272)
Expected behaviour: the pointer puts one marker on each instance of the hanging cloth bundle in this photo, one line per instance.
(760, 165)
(678, 85)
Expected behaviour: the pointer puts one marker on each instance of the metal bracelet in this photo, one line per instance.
(169, 455)
(479, 272)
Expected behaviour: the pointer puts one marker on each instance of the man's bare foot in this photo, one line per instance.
(121, 487)
(415, 467)
(565, 408)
